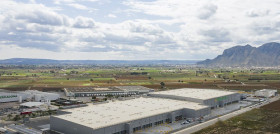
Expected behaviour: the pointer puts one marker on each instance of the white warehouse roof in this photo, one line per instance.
(32, 104)
(202, 94)
(102, 115)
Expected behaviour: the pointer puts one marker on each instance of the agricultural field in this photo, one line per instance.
(53, 78)
(264, 120)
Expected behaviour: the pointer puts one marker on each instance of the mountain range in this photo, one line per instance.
(267, 55)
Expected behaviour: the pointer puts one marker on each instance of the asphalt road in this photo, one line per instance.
(225, 117)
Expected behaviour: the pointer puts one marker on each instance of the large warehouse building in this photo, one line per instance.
(125, 117)
(115, 91)
(209, 97)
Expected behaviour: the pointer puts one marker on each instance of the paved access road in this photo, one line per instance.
(23, 129)
(225, 117)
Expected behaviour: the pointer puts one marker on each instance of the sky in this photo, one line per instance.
(134, 29)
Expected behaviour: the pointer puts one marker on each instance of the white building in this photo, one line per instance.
(12, 97)
(42, 96)
(209, 97)
(266, 93)
(34, 95)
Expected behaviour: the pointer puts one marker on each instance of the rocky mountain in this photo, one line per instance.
(267, 55)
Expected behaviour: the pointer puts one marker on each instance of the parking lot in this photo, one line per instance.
(7, 108)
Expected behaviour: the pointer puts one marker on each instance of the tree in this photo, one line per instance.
(49, 112)
(16, 118)
(9, 116)
(33, 115)
(162, 84)
(91, 80)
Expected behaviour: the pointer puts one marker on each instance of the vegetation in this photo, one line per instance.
(257, 121)
(16, 117)
(167, 77)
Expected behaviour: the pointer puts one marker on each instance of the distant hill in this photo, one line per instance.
(267, 55)
(27, 61)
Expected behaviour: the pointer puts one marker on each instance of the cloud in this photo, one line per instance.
(158, 29)
(257, 13)
(78, 6)
(83, 22)
(216, 35)
(207, 11)
(111, 16)
(42, 17)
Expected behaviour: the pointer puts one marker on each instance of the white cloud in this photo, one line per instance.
(257, 13)
(83, 22)
(160, 29)
(207, 11)
(78, 6)
(111, 16)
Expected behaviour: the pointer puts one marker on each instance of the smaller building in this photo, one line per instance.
(12, 96)
(136, 89)
(209, 97)
(31, 104)
(114, 91)
(38, 96)
(266, 93)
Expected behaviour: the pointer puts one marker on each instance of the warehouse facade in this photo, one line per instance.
(209, 97)
(38, 96)
(266, 93)
(12, 97)
(126, 117)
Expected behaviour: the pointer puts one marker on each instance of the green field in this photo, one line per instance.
(173, 77)
(257, 121)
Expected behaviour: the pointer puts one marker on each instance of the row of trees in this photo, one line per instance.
(31, 115)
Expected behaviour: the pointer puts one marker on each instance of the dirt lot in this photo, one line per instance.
(275, 106)
(257, 121)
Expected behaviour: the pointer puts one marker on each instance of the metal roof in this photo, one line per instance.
(202, 94)
(102, 115)
(32, 104)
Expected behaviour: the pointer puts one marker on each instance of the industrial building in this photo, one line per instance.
(12, 96)
(32, 95)
(125, 117)
(209, 97)
(115, 91)
(41, 96)
(266, 93)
